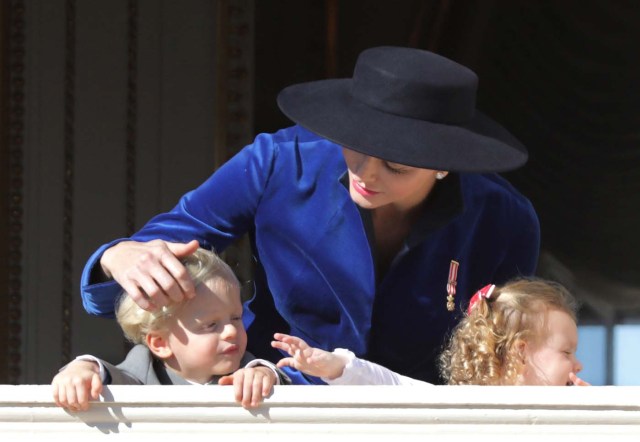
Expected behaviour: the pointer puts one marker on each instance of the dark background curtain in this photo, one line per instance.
(561, 75)
(564, 77)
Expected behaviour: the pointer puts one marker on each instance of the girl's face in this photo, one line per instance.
(553, 358)
(208, 337)
(375, 183)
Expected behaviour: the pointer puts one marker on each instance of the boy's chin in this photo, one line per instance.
(226, 367)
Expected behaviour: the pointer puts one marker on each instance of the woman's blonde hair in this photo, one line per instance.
(136, 323)
(482, 350)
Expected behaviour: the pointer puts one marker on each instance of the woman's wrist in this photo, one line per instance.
(104, 266)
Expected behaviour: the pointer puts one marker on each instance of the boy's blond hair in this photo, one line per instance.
(203, 265)
(482, 350)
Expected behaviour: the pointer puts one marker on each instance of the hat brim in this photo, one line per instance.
(327, 108)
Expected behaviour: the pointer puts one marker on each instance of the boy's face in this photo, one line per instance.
(208, 337)
(550, 361)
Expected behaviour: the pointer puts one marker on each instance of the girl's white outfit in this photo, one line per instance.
(362, 372)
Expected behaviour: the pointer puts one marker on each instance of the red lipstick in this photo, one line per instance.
(361, 190)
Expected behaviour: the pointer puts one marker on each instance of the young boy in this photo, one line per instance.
(197, 341)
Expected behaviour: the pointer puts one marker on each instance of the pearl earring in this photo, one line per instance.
(440, 175)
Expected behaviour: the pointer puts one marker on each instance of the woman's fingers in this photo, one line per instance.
(151, 273)
(175, 280)
(182, 250)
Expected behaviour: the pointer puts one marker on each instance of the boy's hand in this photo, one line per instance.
(250, 385)
(74, 386)
(577, 381)
(310, 360)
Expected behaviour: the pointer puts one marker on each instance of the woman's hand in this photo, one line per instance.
(150, 272)
(74, 386)
(310, 360)
(250, 385)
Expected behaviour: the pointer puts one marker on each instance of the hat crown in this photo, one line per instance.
(407, 106)
(415, 84)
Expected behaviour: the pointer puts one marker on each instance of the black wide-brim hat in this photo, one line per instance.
(407, 106)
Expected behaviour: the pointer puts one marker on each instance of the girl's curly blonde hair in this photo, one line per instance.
(482, 350)
(136, 323)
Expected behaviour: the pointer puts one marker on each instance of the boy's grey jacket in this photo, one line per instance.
(140, 367)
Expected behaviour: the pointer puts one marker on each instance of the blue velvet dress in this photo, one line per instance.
(316, 270)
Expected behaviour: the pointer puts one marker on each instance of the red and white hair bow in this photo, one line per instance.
(484, 293)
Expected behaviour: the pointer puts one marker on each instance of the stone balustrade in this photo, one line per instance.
(141, 413)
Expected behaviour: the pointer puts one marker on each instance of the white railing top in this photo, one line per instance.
(27, 412)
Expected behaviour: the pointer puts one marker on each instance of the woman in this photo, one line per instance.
(369, 221)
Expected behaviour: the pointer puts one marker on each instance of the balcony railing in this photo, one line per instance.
(153, 413)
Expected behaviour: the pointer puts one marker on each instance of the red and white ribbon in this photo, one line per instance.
(484, 293)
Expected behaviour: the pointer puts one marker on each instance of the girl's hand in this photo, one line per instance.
(310, 360)
(250, 385)
(150, 272)
(577, 381)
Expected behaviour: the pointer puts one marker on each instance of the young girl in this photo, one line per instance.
(197, 341)
(522, 333)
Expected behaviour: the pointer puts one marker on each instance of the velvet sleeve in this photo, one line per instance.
(216, 213)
